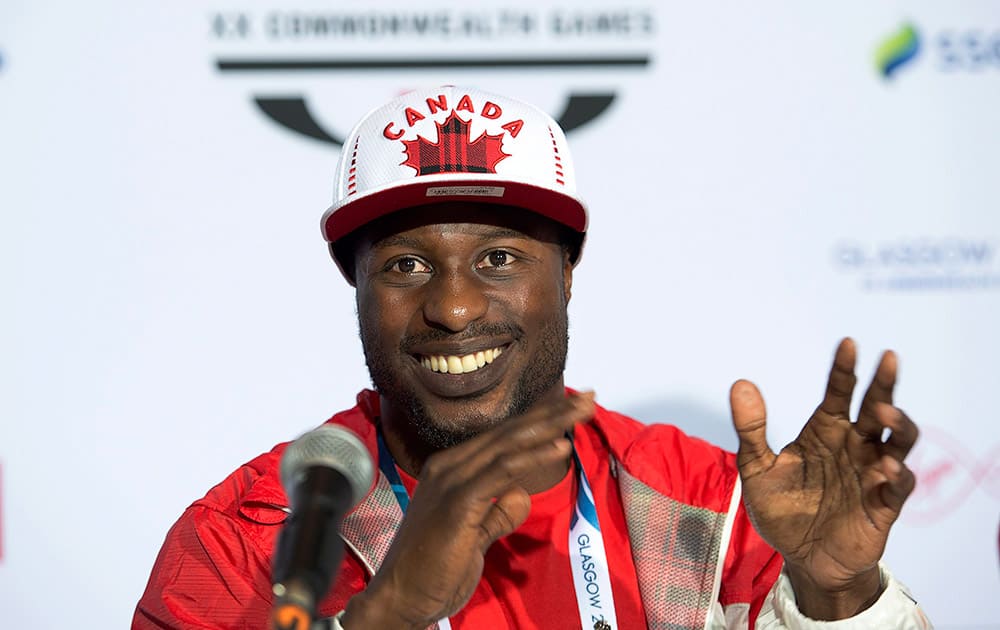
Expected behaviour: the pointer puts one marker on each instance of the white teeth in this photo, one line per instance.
(453, 364)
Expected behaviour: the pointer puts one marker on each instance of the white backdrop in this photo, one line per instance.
(758, 189)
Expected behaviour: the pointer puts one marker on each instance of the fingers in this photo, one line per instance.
(507, 513)
(534, 432)
(507, 470)
(840, 384)
(878, 414)
(750, 421)
(885, 487)
(470, 475)
(887, 483)
(880, 391)
(903, 432)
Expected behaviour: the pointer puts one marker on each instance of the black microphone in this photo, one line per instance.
(325, 473)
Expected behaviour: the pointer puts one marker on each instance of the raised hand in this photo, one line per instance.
(468, 497)
(827, 500)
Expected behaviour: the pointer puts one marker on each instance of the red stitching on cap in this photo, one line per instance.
(352, 184)
(558, 160)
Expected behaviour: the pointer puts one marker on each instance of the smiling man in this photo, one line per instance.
(504, 499)
(462, 310)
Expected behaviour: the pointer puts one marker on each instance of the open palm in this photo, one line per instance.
(827, 500)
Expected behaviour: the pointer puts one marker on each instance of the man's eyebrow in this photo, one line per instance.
(396, 240)
(502, 232)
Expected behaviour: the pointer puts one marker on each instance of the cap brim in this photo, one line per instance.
(341, 219)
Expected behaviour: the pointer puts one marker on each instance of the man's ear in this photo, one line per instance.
(567, 276)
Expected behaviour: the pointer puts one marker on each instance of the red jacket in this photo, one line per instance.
(677, 493)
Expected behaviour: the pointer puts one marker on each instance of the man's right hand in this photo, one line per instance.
(468, 497)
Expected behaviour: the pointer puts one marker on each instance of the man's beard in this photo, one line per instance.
(543, 372)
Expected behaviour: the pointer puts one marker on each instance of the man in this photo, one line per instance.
(504, 499)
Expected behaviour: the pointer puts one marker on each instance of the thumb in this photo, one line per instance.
(505, 515)
(750, 421)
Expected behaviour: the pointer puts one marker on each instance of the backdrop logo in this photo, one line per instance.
(948, 473)
(921, 264)
(897, 50)
(952, 50)
(969, 50)
(360, 46)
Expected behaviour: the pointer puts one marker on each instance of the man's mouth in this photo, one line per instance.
(455, 364)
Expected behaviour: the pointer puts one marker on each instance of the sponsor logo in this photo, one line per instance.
(921, 264)
(949, 50)
(948, 473)
(968, 50)
(897, 50)
(280, 46)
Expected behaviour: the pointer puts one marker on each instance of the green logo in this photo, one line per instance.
(897, 50)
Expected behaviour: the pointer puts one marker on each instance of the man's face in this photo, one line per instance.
(462, 310)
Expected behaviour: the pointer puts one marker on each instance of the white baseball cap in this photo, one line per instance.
(453, 144)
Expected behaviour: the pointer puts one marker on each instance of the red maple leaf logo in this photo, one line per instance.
(453, 152)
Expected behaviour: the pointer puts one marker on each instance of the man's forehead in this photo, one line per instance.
(412, 226)
(416, 237)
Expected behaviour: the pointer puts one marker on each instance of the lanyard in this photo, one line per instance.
(388, 467)
(588, 559)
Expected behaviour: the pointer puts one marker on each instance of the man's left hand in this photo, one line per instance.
(827, 500)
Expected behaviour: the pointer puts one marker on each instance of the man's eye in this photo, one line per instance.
(496, 258)
(409, 265)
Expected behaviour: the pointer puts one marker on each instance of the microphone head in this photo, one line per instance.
(329, 446)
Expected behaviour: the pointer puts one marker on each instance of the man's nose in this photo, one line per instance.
(455, 300)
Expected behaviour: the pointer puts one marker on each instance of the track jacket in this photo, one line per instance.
(698, 560)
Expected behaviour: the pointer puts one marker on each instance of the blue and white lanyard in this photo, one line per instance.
(588, 559)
